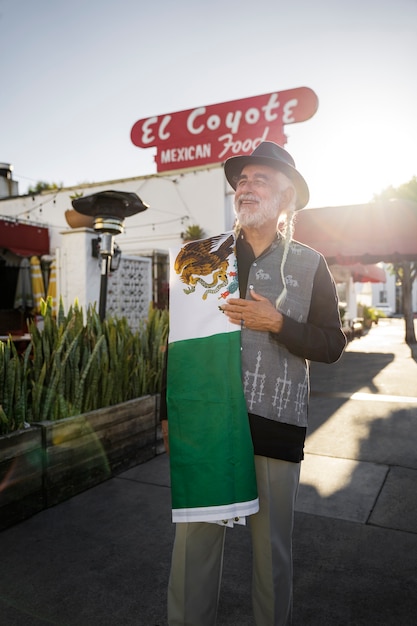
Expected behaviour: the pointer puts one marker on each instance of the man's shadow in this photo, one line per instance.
(331, 387)
(348, 570)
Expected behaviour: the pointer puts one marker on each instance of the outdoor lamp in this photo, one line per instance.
(109, 210)
(115, 259)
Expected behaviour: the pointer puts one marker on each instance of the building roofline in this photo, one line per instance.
(115, 181)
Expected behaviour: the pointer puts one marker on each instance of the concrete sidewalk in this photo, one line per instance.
(102, 558)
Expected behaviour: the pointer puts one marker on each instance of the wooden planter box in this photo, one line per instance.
(52, 461)
(21, 476)
(87, 449)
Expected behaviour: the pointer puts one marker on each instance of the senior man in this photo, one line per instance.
(287, 314)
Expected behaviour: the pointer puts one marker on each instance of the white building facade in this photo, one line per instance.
(177, 199)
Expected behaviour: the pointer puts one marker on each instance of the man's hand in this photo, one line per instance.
(256, 314)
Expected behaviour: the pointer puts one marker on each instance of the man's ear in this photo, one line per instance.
(287, 195)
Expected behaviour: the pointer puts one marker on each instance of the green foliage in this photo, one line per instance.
(406, 191)
(193, 233)
(369, 314)
(14, 385)
(71, 367)
(43, 186)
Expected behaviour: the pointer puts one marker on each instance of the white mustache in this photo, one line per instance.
(249, 197)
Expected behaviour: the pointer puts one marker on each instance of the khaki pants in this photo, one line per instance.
(197, 558)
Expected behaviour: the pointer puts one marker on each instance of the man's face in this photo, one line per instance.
(257, 196)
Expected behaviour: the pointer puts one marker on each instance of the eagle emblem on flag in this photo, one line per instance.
(204, 262)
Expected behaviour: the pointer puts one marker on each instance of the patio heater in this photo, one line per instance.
(109, 210)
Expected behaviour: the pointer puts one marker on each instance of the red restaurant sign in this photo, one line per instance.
(211, 134)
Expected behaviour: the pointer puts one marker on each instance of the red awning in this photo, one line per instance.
(365, 233)
(24, 239)
(368, 273)
(359, 273)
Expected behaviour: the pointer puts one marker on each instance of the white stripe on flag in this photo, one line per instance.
(211, 452)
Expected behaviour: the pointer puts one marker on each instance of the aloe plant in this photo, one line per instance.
(71, 366)
(14, 382)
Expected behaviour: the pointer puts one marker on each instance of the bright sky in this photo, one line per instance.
(77, 75)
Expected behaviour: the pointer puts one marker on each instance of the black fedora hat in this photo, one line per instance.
(271, 154)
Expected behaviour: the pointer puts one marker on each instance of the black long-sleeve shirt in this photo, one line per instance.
(319, 339)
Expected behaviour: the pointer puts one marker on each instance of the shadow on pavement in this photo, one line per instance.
(346, 572)
(331, 381)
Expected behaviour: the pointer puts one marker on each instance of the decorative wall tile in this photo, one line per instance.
(129, 290)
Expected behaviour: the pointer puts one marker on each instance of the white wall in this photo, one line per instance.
(78, 273)
(390, 289)
(384, 292)
(176, 201)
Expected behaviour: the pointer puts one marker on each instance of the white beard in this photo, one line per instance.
(265, 212)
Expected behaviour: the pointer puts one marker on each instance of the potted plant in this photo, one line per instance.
(90, 393)
(369, 315)
(21, 461)
(192, 233)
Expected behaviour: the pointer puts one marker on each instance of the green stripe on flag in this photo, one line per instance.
(211, 452)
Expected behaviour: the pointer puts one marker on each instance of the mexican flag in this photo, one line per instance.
(211, 454)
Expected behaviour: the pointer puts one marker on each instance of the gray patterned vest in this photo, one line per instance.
(276, 382)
